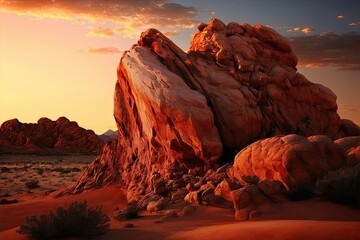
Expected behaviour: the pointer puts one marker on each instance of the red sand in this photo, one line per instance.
(310, 219)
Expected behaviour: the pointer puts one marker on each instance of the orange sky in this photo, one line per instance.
(64, 63)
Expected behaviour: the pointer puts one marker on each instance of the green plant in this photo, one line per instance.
(341, 186)
(32, 184)
(76, 221)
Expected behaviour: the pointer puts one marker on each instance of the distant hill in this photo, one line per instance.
(109, 135)
(48, 137)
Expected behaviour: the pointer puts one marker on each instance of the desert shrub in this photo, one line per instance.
(6, 201)
(40, 171)
(75, 169)
(76, 221)
(341, 186)
(32, 184)
(61, 170)
(5, 170)
(300, 192)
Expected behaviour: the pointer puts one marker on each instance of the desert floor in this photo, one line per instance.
(51, 172)
(310, 219)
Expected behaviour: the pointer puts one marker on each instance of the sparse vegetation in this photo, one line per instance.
(76, 221)
(16, 170)
(341, 186)
(61, 170)
(40, 171)
(32, 184)
(6, 170)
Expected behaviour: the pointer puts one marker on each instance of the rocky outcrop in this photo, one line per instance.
(295, 160)
(48, 137)
(109, 135)
(247, 199)
(180, 113)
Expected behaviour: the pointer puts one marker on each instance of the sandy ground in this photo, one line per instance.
(51, 172)
(310, 219)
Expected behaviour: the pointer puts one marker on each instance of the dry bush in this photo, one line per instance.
(32, 184)
(76, 221)
(341, 186)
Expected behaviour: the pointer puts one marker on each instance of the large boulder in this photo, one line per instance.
(295, 160)
(48, 137)
(175, 110)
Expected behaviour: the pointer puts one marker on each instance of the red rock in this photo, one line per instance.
(188, 211)
(193, 197)
(177, 111)
(224, 189)
(348, 128)
(293, 160)
(47, 137)
(246, 200)
(350, 147)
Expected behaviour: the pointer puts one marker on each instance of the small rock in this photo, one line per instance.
(193, 197)
(188, 210)
(189, 186)
(155, 206)
(129, 225)
(178, 196)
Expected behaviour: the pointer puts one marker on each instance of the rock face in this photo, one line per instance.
(109, 135)
(47, 137)
(295, 160)
(177, 111)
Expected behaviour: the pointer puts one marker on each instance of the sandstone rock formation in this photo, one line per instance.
(47, 137)
(247, 199)
(177, 111)
(295, 160)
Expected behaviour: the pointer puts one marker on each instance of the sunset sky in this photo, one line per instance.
(59, 57)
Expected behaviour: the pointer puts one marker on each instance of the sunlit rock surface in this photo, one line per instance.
(179, 110)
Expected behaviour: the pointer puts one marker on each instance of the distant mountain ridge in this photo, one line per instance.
(48, 137)
(109, 135)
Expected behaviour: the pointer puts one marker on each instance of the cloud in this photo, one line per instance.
(307, 30)
(328, 49)
(104, 50)
(102, 32)
(349, 108)
(134, 16)
(299, 29)
(340, 16)
(171, 33)
(353, 24)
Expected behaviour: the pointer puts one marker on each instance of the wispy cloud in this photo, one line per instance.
(307, 30)
(303, 29)
(102, 32)
(134, 16)
(104, 50)
(349, 108)
(171, 33)
(354, 24)
(328, 49)
(340, 16)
